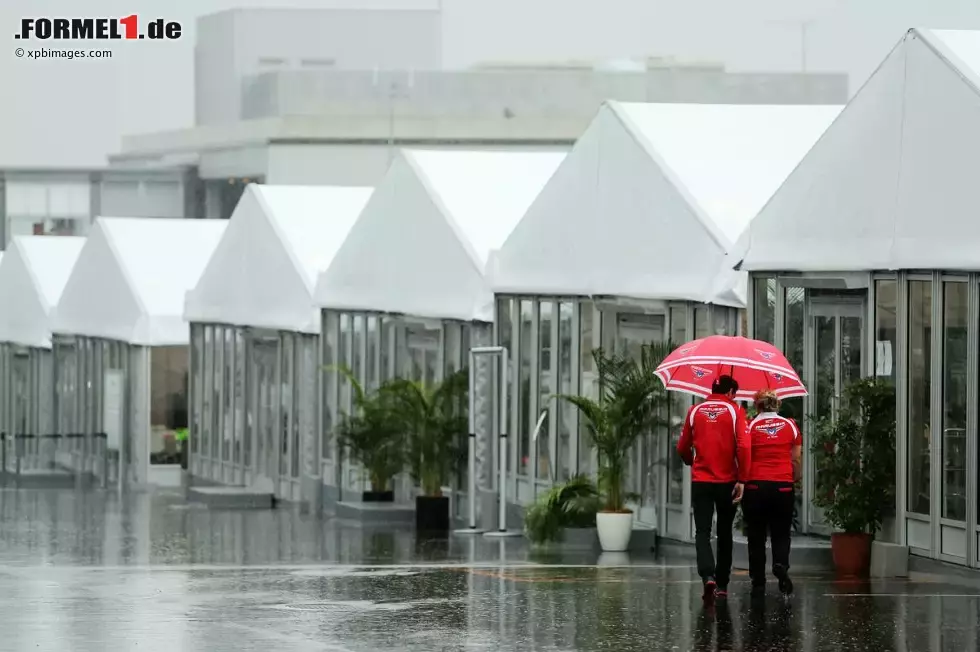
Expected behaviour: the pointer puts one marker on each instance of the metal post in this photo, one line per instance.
(105, 461)
(502, 518)
(471, 479)
(501, 352)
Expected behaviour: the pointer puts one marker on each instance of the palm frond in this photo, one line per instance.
(359, 395)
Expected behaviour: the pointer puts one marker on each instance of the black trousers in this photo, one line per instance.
(707, 499)
(767, 508)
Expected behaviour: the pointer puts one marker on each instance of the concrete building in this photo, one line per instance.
(65, 201)
(290, 97)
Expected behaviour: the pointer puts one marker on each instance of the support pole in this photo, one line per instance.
(471, 475)
(502, 530)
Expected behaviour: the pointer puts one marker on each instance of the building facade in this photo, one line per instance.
(863, 264)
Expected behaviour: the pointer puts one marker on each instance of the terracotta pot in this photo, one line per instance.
(852, 553)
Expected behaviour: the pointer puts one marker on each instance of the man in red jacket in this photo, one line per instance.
(715, 443)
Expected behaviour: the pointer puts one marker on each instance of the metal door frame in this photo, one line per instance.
(837, 308)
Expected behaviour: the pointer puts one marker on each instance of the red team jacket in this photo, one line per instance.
(714, 435)
(773, 438)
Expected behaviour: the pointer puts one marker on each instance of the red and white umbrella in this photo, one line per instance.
(755, 365)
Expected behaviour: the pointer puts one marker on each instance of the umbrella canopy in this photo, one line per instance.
(754, 364)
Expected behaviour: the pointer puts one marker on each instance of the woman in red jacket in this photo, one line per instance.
(769, 497)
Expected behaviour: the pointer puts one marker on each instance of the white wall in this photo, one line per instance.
(134, 198)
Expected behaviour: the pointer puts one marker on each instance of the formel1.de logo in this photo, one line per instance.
(82, 29)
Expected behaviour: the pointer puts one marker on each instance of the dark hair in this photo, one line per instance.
(724, 385)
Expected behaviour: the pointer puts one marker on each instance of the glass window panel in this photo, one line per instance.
(545, 390)
(302, 349)
(464, 345)
(886, 329)
(920, 360)
(764, 309)
(795, 331)
(329, 344)
(217, 415)
(721, 316)
(421, 363)
(357, 348)
(567, 330)
(269, 414)
(227, 396)
(955, 319)
(168, 401)
(524, 395)
(679, 403)
(286, 402)
(387, 332)
(702, 322)
(197, 365)
(242, 444)
(372, 351)
(587, 381)
(431, 359)
(345, 360)
(207, 391)
(452, 351)
(505, 338)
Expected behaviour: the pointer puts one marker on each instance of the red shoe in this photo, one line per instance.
(710, 590)
(721, 594)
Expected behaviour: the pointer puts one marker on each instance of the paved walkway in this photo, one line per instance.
(86, 571)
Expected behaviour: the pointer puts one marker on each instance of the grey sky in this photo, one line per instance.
(73, 113)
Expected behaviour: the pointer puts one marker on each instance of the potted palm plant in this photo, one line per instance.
(569, 505)
(855, 485)
(372, 437)
(434, 420)
(631, 403)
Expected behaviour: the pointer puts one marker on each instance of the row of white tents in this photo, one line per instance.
(652, 202)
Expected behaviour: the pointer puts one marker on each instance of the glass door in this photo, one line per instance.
(633, 331)
(834, 355)
(263, 413)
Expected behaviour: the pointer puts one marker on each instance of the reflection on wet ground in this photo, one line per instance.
(86, 571)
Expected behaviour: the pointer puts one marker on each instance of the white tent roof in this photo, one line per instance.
(32, 276)
(264, 269)
(131, 277)
(422, 244)
(892, 183)
(652, 197)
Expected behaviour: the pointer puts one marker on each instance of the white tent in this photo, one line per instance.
(652, 198)
(264, 269)
(421, 245)
(32, 277)
(131, 277)
(892, 183)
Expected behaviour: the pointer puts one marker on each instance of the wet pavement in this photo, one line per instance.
(88, 571)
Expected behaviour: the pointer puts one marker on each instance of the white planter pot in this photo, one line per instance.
(614, 530)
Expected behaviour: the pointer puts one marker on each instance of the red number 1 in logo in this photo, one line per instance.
(129, 22)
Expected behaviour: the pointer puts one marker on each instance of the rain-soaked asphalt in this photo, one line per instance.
(88, 571)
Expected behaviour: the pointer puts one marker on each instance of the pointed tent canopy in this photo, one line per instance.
(263, 271)
(422, 243)
(651, 199)
(32, 277)
(892, 182)
(131, 277)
